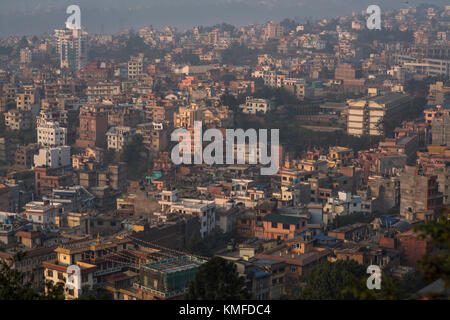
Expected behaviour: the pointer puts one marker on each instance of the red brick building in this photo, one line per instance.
(46, 179)
(93, 127)
(412, 248)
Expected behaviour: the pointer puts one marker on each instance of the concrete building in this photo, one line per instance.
(273, 30)
(46, 179)
(24, 156)
(168, 279)
(154, 136)
(31, 264)
(74, 198)
(136, 66)
(343, 204)
(419, 194)
(366, 116)
(72, 47)
(93, 127)
(50, 134)
(255, 106)
(18, 120)
(118, 137)
(438, 94)
(203, 209)
(58, 157)
(440, 130)
(43, 213)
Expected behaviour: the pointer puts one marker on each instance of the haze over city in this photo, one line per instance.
(27, 17)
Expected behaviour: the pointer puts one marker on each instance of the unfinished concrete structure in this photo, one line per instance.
(419, 194)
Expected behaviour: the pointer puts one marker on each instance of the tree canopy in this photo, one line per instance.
(328, 280)
(217, 279)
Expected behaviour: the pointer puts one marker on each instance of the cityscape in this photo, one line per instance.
(301, 158)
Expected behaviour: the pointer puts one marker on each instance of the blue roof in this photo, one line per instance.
(260, 274)
(388, 220)
(265, 261)
(324, 238)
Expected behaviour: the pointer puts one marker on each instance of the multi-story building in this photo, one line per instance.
(73, 199)
(344, 204)
(31, 263)
(8, 201)
(50, 134)
(72, 47)
(25, 56)
(18, 120)
(102, 91)
(124, 115)
(96, 258)
(203, 209)
(24, 157)
(93, 127)
(186, 116)
(273, 30)
(154, 136)
(255, 106)
(366, 116)
(136, 66)
(426, 66)
(96, 71)
(118, 137)
(8, 147)
(46, 179)
(90, 154)
(43, 213)
(440, 133)
(58, 157)
(168, 279)
(419, 194)
(438, 94)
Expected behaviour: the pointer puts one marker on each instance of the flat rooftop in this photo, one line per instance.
(175, 264)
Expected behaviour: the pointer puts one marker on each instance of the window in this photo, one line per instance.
(274, 225)
(60, 276)
(50, 273)
(286, 226)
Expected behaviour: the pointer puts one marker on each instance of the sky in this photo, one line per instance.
(37, 17)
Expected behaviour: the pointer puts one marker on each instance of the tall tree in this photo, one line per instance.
(328, 280)
(217, 279)
(13, 285)
(436, 264)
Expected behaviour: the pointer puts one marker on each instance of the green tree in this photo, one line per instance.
(328, 280)
(217, 279)
(13, 285)
(436, 264)
(391, 289)
(133, 154)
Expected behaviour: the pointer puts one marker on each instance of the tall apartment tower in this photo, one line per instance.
(72, 46)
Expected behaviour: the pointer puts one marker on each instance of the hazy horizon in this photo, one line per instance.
(29, 17)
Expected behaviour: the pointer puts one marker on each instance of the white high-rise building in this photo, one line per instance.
(50, 134)
(72, 47)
